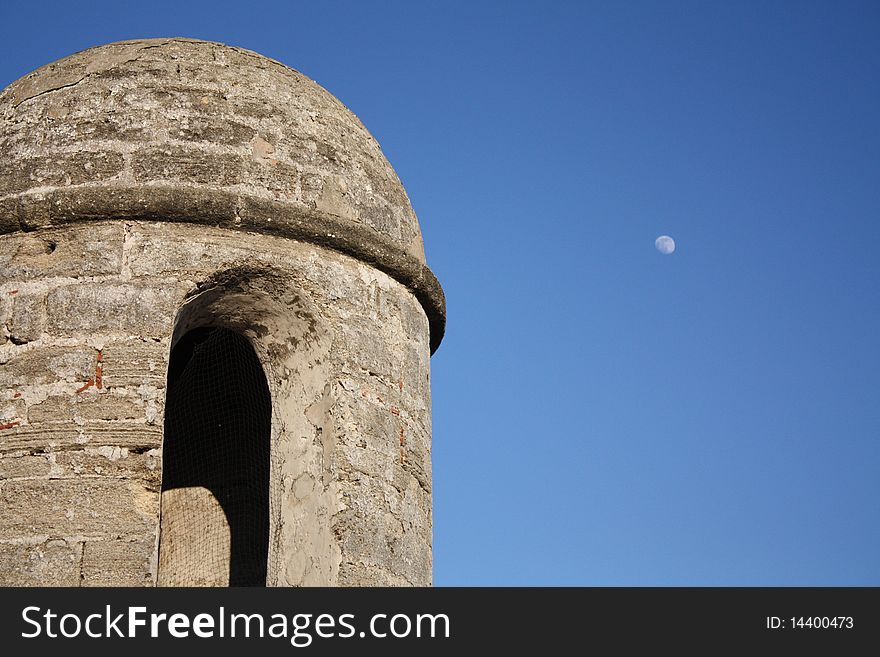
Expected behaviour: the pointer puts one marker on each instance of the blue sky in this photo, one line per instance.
(604, 414)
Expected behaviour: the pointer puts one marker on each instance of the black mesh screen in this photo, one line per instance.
(217, 427)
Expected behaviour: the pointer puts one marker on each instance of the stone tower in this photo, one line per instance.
(216, 328)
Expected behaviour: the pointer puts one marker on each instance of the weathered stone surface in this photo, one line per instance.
(361, 574)
(26, 466)
(134, 362)
(11, 410)
(5, 312)
(58, 170)
(107, 461)
(87, 250)
(102, 461)
(42, 437)
(122, 308)
(28, 317)
(187, 164)
(74, 409)
(43, 365)
(119, 562)
(74, 507)
(226, 131)
(56, 561)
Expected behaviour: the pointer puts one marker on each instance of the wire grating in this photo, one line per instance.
(214, 527)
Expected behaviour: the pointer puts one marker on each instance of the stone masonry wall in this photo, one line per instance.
(87, 315)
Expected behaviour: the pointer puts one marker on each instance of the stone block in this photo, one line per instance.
(77, 507)
(183, 164)
(111, 461)
(27, 466)
(119, 562)
(59, 170)
(52, 563)
(44, 365)
(84, 250)
(135, 363)
(36, 438)
(212, 130)
(143, 308)
(76, 408)
(28, 321)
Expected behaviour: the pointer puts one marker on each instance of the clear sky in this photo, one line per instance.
(605, 414)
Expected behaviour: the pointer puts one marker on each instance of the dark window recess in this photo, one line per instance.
(217, 426)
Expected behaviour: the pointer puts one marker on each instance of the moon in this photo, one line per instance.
(665, 244)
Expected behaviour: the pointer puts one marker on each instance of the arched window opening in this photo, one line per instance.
(216, 462)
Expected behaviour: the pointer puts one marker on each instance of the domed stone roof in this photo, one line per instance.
(187, 130)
